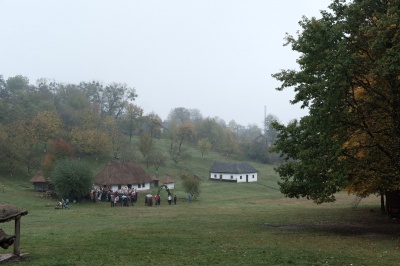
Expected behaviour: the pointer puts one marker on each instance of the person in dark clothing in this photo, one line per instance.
(158, 199)
(175, 199)
(112, 200)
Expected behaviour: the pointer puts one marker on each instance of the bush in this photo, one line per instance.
(72, 179)
(190, 184)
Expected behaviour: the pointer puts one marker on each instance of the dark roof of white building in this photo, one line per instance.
(232, 168)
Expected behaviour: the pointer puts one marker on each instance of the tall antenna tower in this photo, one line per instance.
(265, 112)
(265, 119)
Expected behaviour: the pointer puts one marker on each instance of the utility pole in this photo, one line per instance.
(265, 120)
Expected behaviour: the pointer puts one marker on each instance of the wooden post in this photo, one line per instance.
(17, 235)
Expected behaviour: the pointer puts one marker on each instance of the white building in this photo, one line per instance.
(121, 175)
(169, 181)
(233, 172)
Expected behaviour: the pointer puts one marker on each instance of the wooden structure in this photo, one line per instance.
(8, 213)
(40, 183)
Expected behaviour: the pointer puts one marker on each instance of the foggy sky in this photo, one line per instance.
(213, 55)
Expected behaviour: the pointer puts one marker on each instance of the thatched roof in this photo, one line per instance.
(167, 179)
(119, 172)
(38, 178)
(154, 178)
(9, 212)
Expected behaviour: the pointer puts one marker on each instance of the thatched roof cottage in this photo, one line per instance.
(169, 181)
(120, 175)
(233, 172)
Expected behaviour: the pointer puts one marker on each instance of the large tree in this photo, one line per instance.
(71, 104)
(204, 146)
(115, 97)
(21, 100)
(146, 144)
(353, 48)
(131, 119)
(180, 136)
(152, 124)
(47, 126)
(109, 100)
(18, 146)
(210, 129)
(179, 115)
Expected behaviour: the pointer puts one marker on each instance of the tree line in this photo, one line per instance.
(42, 122)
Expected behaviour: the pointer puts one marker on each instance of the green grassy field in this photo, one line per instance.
(229, 224)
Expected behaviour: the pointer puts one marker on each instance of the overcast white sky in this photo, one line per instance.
(213, 55)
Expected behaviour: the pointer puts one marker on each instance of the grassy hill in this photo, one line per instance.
(229, 224)
(197, 164)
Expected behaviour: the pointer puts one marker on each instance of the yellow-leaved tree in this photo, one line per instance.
(47, 126)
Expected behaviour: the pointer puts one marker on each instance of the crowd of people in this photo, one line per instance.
(157, 199)
(122, 197)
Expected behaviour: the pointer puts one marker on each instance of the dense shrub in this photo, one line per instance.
(72, 179)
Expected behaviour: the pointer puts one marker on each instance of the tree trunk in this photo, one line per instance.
(383, 209)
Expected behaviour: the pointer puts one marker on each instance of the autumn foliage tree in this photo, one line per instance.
(146, 144)
(59, 150)
(18, 146)
(204, 146)
(47, 126)
(349, 80)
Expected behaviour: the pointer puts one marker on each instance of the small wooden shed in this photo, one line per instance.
(8, 213)
(40, 183)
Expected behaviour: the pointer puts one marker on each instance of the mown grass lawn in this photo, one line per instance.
(229, 224)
